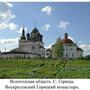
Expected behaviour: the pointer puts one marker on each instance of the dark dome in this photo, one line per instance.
(28, 34)
(66, 40)
(35, 30)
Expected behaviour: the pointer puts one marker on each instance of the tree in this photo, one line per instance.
(58, 49)
(87, 57)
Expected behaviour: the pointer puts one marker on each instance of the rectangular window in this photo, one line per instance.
(66, 55)
(73, 55)
(71, 49)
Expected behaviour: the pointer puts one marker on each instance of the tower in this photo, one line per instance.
(23, 34)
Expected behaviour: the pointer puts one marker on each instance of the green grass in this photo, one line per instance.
(25, 68)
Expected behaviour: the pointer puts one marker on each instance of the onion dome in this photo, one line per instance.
(66, 40)
(34, 31)
(35, 35)
(28, 36)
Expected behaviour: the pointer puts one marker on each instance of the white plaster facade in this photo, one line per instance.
(70, 49)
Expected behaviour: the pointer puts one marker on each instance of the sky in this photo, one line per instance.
(52, 20)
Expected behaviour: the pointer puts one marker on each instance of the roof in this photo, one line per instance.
(66, 40)
(79, 49)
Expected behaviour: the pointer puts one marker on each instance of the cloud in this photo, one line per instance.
(5, 12)
(63, 24)
(47, 9)
(9, 42)
(11, 26)
(46, 27)
(5, 16)
(86, 48)
(9, 4)
(49, 46)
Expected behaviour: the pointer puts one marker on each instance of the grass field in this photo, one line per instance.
(25, 68)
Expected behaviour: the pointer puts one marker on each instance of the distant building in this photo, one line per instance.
(70, 49)
(30, 46)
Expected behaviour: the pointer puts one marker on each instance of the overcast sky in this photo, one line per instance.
(52, 20)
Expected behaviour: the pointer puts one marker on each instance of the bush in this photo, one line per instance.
(87, 57)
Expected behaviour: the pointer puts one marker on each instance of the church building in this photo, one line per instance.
(31, 45)
(70, 49)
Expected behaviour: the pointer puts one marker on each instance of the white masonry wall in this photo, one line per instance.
(79, 54)
(70, 51)
(27, 46)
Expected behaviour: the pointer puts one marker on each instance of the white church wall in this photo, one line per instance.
(69, 51)
(32, 47)
(42, 52)
(79, 54)
(6, 56)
